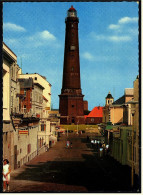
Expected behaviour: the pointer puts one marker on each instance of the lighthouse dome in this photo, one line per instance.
(72, 12)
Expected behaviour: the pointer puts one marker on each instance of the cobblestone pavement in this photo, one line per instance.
(77, 169)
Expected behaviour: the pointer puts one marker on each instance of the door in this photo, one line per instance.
(15, 157)
(73, 120)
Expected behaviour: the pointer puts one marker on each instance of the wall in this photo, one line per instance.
(116, 114)
(8, 58)
(10, 52)
(128, 98)
(37, 101)
(93, 120)
(15, 88)
(22, 142)
(44, 134)
(6, 90)
(136, 125)
(105, 114)
(8, 143)
(121, 149)
(26, 101)
(85, 105)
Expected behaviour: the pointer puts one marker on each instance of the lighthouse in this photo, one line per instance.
(71, 105)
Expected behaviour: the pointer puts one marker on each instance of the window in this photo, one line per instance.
(135, 154)
(92, 119)
(6, 136)
(12, 72)
(72, 69)
(28, 148)
(24, 92)
(72, 106)
(35, 78)
(24, 108)
(42, 127)
(12, 101)
(130, 152)
(72, 47)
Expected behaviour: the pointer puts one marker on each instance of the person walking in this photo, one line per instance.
(6, 174)
(68, 144)
(71, 144)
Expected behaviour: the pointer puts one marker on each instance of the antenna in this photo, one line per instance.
(113, 106)
(21, 63)
(114, 93)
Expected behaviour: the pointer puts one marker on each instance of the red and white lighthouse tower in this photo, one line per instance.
(71, 105)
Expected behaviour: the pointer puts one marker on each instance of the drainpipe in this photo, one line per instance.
(132, 171)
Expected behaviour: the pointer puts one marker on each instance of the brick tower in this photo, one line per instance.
(71, 105)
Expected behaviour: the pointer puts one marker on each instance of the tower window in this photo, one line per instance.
(35, 78)
(72, 47)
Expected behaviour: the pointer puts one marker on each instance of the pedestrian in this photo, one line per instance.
(92, 142)
(6, 174)
(68, 143)
(71, 144)
(87, 138)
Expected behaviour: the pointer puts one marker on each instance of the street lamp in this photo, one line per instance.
(132, 170)
(77, 126)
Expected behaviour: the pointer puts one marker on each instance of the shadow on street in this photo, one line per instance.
(94, 173)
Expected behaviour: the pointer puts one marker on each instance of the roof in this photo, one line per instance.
(72, 8)
(109, 127)
(9, 49)
(39, 85)
(96, 112)
(45, 98)
(109, 95)
(119, 101)
(36, 74)
(26, 83)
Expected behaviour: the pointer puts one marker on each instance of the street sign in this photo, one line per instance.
(47, 108)
(24, 132)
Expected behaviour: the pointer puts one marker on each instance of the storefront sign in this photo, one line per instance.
(24, 132)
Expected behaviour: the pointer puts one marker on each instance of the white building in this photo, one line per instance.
(9, 58)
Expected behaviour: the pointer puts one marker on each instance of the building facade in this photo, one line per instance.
(40, 80)
(113, 111)
(125, 142)
(135, 113)
(9, 58)
(27, 127)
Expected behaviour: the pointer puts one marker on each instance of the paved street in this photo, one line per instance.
(79, 169)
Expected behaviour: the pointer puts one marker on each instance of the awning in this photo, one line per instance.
(52, 138)
(60, 130)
